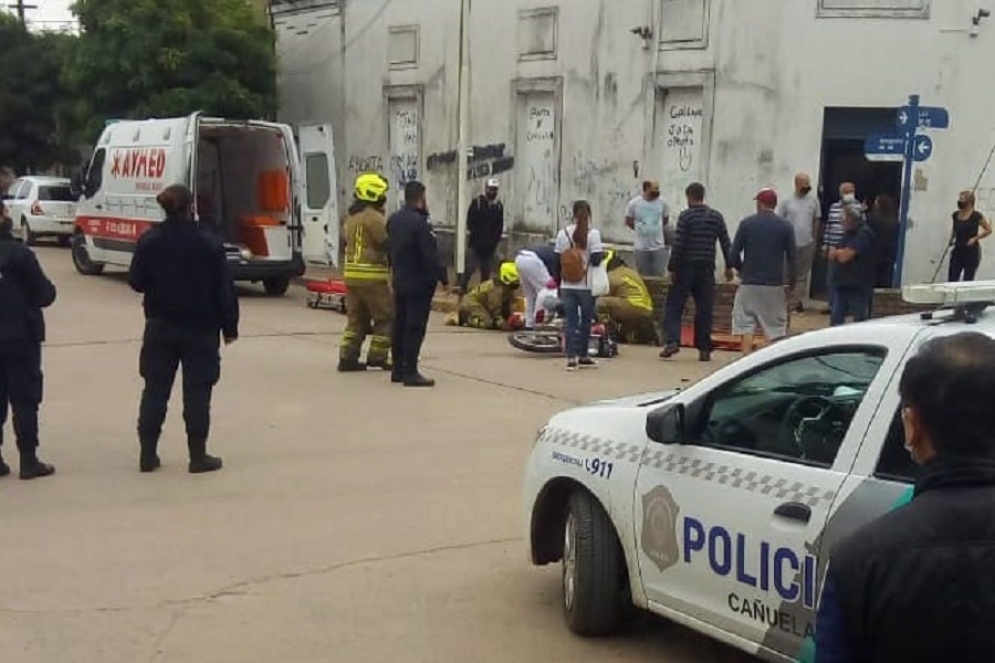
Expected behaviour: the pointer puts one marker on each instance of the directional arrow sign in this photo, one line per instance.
(922, 148)
(929, 117)
(885, 147)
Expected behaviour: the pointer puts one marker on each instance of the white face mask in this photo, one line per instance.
(848, 197)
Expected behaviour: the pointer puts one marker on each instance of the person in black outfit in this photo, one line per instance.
(190, 301)
(24, 292)
(692, 272)
(883, 222)
(970, 227)
(918, 584)
(485, 221)
(414, 257)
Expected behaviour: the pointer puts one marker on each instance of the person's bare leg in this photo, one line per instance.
(747, 346)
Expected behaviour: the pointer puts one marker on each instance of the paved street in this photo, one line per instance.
(354, 521)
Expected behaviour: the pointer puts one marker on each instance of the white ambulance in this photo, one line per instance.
(272, 210)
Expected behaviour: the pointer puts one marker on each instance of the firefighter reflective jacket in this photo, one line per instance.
(626, 283)
(490, 301)
(366, 247)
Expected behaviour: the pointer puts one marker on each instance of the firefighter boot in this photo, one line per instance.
(149, 459)
(200, 461)
(351, 366)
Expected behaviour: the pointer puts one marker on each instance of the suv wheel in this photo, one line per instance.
(594, 580)
(276, 287)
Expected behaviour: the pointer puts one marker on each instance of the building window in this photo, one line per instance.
(537, 33)
(873, 8)
(684, 24)
(402, 47)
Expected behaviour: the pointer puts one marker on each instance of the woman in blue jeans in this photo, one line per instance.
(579, 240)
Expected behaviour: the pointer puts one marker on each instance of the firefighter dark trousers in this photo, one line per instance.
(370, 308)
(21, 388)
(411, 320)
(164, 348)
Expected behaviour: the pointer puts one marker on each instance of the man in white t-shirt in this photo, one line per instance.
(804, 213)
(648, 215)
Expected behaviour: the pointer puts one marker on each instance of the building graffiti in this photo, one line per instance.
(405, 148)
(682, 133)
(537, 181)
(485, 161)
(566, 215)
(365, 164)
(540, 128)
(587, 172)
(681, 123)
(539, 190)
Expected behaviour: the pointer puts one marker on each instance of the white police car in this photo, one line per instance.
(716, 506)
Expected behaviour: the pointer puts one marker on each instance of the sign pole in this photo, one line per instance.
(462, 148)
(903, 215)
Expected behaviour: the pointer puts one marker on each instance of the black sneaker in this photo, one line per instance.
(669, 350)
(149, 463)
(205, 464)
(418, 380)
(35, 470)
(704, 355)
(587, 362)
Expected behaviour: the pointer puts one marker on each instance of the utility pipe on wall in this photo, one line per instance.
(463, 147)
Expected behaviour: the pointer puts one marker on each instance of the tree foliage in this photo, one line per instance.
(164, 58)
(34, 114)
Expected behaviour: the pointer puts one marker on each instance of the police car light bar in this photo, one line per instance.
(950, 294)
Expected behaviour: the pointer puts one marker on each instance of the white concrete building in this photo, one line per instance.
(586, 98)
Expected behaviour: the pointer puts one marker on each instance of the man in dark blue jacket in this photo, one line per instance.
(918, 584)
(24, 292)
(190, 304)
(414, 258)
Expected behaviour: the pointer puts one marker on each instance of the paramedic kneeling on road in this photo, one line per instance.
(189, 303)
(628, 303)
(918, 584)
(490, 304)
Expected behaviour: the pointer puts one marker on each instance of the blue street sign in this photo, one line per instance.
(885, 147)
(922, 148)
(929, 117)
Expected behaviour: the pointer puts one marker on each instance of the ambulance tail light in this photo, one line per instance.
(36, 209)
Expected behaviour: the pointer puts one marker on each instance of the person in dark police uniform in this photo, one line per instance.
(414, 257)
(24, 292)
(190, 304)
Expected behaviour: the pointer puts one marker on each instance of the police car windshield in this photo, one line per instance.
(855, 369)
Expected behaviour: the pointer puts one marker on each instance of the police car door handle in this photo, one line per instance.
(794, 511)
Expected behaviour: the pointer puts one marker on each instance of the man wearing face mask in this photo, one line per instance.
(833, 231)
(649, 216)
(918, 584)
(804, 212)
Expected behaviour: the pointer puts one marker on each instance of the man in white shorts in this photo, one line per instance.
(764, 245)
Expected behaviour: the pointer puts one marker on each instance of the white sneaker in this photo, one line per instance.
(571, 364)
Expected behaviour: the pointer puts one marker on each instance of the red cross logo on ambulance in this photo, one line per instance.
(143, 163)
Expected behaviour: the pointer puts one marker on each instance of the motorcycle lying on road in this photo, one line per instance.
(548, 339)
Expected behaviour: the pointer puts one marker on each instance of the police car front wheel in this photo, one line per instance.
(595, 585)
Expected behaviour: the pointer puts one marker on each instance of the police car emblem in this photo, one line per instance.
(659, 532)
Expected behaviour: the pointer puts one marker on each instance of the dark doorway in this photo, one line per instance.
(843, 135)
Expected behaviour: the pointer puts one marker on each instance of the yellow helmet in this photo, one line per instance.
(508, 273)
(371, 187)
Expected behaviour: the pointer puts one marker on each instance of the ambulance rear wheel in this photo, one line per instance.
(276, 287)
(81, 259)
(595, 589)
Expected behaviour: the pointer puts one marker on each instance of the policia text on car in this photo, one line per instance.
(190, 302)
(24, 292)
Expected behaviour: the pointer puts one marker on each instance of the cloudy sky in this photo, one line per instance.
(50, 13)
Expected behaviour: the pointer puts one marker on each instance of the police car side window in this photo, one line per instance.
(798, 410)
(895, 463)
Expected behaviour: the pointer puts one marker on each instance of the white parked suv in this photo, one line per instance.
(716, 506)
(42, 207)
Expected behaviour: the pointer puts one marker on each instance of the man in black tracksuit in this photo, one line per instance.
(190, 302)
(918, 584)
(414, 258)
(485, 223)
(24, 292)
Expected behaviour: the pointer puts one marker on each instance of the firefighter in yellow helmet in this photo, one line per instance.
(490, 304)
(628, 303)
(369, 303)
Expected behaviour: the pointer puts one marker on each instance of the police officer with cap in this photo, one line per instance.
(190, 304)
(24, 292)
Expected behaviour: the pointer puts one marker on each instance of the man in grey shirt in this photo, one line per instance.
(764, 245)
(648, 216)
(804, 212)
